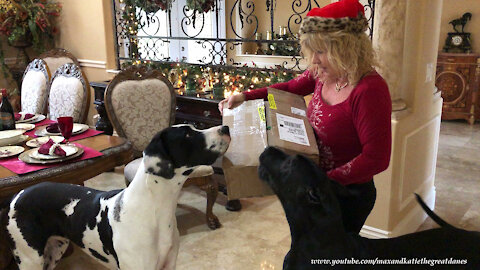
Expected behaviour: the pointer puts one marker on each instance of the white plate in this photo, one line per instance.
(37, 118)
(69, 150)
(77, 129)
(21, 120)
(8, 151)
(24, 126)
(20, 139)
(25, 157)
(10, 136)
(37, 142)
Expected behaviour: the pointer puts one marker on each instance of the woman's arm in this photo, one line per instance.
(303, 85)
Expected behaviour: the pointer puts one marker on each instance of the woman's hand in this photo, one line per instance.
(231, 102)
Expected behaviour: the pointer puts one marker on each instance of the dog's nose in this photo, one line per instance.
(225, 130)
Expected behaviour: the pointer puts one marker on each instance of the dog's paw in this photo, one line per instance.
(213, 222)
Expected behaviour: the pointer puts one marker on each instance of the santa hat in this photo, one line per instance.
(344, 15)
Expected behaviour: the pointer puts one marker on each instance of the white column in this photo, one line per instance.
(406, 34)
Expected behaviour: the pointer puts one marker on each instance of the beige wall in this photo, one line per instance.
(86, 31)
(453, 9)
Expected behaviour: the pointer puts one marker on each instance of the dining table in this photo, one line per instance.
(113, 151)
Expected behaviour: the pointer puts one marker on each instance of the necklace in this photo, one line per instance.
(340, 87)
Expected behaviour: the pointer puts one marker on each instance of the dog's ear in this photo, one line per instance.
(157, 159)
(322, 201)
(314, 197)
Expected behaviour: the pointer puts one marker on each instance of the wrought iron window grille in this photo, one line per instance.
(146, 31)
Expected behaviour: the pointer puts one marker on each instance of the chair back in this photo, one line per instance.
(69, 94)
(35, 83)
(57, 57)
(140, 102)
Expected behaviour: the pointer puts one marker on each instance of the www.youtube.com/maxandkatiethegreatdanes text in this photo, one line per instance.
(403, 261)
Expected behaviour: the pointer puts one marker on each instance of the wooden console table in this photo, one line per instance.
(458, 78)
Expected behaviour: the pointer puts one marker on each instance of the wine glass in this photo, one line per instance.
(65, 124)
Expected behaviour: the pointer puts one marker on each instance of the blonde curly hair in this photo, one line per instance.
(350, 55)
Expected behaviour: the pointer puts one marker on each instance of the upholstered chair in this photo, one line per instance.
(69, 94)
(58, 57)
(35, 83)
(140, 102)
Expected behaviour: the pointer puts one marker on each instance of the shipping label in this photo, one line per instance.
(292, 129)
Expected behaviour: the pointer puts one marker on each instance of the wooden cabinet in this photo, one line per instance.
(200, 112)
(458, 80)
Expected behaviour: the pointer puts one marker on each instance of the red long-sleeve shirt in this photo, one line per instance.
(354, 137)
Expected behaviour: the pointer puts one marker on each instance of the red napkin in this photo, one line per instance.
(53, 128)
(45, 149)
(18, 116)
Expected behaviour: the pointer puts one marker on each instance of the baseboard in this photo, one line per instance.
(374, 233)
(113, 71)
(409, 224)
(92, 63)
(83, 62)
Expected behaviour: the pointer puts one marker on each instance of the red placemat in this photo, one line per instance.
(19, 167)
(44, 122)
(89, 133)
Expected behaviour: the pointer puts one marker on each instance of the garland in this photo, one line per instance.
(201, 6)
(152, 6)
(240, 79)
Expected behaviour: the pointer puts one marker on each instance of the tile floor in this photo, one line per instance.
(258, 236)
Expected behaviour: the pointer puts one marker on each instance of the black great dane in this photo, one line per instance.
(130, 229)
(320, 241)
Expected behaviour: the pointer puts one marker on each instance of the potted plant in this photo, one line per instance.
(28, 22)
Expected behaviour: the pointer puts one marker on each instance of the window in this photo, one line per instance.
(178, 35)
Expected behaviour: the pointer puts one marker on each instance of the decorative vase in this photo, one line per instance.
(22, 60)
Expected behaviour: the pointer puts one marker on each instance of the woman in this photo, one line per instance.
(350, 108)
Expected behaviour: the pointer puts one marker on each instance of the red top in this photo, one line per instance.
(354, 137)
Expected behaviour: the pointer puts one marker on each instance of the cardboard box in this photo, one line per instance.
(254, 125)
(290, 130)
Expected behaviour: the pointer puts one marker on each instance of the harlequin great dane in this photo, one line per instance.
(315, 219)
(134, 228)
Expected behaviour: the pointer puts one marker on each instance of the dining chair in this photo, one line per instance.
(36, 79)
(57, 57)
(140, 102)
(69, 94)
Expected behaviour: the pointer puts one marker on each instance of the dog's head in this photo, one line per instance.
(184, 146)
(298, 182)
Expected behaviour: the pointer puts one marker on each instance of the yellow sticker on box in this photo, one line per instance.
(271, 101)
(261, 113)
